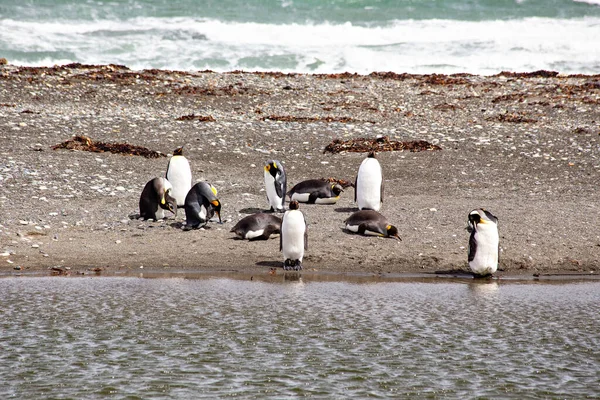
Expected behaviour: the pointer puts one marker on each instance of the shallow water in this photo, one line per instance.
(124, 337)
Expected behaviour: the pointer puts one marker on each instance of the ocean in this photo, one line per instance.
(307, 36)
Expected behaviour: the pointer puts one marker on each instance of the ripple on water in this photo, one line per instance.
(131, 337)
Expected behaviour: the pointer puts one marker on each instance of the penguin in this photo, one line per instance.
(201, 204)
(371, 223)
(257, 226)
(180, 175)
(484, 242)
(316, 191)
(156, 198)
(275, 184)
(294, 237)
(368, 190)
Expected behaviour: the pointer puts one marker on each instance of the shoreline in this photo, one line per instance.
(525, 146)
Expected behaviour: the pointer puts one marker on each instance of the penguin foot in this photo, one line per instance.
(292, 265)
(297, 265)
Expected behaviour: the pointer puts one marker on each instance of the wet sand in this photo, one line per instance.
(524, 146)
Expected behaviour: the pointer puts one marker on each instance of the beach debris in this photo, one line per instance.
(194, 117)
(365, 145)
(516, 117)
(342, 182)
(58, 270)
(85, 143)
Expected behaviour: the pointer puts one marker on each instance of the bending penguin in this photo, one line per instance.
(368, 190)
(275, 184)
(316, 191)
(371, 223)
(156, 198)
(484, 242)
(294, 237)
(180, 175)
(201, 204)
(257, 226)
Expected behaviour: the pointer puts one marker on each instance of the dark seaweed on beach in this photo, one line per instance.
(84, 143)
(516, 118)
(291, 118)
(363, 145)
(342, 182)
(194, 117)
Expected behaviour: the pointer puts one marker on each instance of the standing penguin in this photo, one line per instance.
(368, 190)
(180, 175)
(201, 204)
(257, 226)
(156, 198)
(316, 191)
(275, 184)
(484, 242)
(369, 222)
(294, 237)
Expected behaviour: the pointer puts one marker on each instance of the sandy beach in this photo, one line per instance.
(524, 146)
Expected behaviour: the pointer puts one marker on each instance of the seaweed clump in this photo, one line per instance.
(85, 143)
(364, 145)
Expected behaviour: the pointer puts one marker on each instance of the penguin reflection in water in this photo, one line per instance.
(371, 223)
(294, 237)
(275, 184)
(201, 204)
(368, 189)
(156, 198)
(484, 242)
(180, 175)
(316, 191)
(257, 226)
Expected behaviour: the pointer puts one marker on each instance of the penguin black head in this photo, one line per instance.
(178, 151)
(294, 205)
(168, 202)
(371, 155)
(481, 216)
(216, 204)
(392, 231)
(337, 189)
(272, 167)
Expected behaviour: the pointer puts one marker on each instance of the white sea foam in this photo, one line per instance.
(416, 46)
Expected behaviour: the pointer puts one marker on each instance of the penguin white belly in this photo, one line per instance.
(254, 234)
(352, 228)
(274, 200)
(202, 213)
(486, 256)
(292, 235)
(180, 176)
(327, 200)
(301, 197)
(368, 185)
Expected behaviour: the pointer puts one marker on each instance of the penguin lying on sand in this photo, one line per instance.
(484, 242)
(368, 190)
(156, 198)
(275, 185)
(316, 191)
(294, 237)
(180, 175)
(369, 222)
(201, 204)
(257, 226)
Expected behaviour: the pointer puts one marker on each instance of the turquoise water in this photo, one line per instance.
(313, 36)
(135, 338)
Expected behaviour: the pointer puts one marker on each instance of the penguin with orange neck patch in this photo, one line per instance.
(201, 204)
(275, 185)
(371, 223)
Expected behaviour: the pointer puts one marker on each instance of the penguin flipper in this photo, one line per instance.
(381, 190)
(355, 187)
(312, 198)
(472, 246)
(306, 237)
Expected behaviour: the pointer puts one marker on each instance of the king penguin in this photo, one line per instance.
(275, 184)
(316, 191)
(371, 223)
(201, 204)
(257, 226)
(368, 190)
(180, 175)
(294, 237)
(484, 242)
(156, 198)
